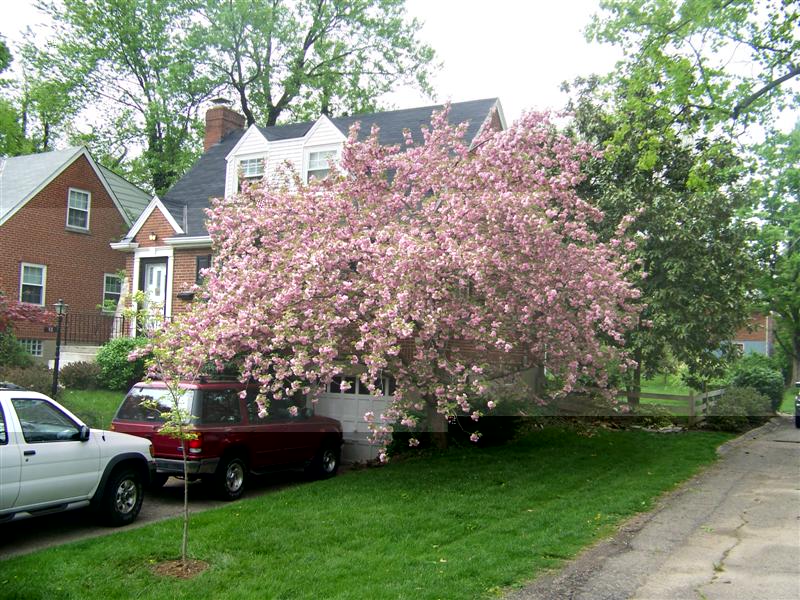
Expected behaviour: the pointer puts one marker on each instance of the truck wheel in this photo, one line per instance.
(230, 478)
(122, 498)
(326, 462)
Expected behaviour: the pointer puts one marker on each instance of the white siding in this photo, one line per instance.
(252, 145)
(282, 152)
(324, 133)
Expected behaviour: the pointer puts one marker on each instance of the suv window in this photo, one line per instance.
(3, 434)
(131, 408)
(279, 410)
(220, 406)
(43, 422)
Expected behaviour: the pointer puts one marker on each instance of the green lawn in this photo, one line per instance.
(666, 384)
(462, 524)
(95, 407)
(787, 405)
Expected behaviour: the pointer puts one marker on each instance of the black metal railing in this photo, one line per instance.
(93, 328)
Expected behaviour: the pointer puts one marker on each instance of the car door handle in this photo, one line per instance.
(29, 452)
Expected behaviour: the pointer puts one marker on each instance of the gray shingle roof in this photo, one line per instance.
(206, 179)
(21, 176)
(132, 198)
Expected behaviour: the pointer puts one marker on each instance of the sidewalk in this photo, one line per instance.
(732, 532)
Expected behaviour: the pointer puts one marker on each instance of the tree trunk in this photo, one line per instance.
(437, 426)
(634, 387)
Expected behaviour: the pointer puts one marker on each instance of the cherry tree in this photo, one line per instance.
(439, 263)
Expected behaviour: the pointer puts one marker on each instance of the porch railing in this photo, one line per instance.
(93, 328)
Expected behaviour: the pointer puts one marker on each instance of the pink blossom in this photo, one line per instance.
(443, 276)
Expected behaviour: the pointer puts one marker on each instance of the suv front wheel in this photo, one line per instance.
(230, 478)
(122, 498)
(325, 463)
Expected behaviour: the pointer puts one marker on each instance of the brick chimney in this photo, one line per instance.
(220, 119)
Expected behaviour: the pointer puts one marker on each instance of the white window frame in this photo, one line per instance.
(87, 210)
(335, 150)
(246, 173)
(33, 347)
(43, 285)
(105, 288)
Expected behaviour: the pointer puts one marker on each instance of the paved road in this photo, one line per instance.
(29, 535)
(732, 532)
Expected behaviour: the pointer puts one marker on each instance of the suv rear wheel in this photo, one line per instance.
(122, 499)
(230, 479)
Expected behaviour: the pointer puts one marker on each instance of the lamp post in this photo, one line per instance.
(61, 310)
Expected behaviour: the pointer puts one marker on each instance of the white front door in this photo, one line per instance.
(154, 285)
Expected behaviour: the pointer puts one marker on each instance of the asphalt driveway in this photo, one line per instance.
(732, 532)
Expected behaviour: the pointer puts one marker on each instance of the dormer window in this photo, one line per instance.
(319, 164)
(251, 168)
(78, 205)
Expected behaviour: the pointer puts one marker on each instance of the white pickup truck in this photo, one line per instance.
(51, 461)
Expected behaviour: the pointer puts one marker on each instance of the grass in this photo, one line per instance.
(787, 406)
(666, 384)
(466, 523)
(95, 407)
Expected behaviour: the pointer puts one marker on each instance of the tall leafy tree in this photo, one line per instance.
(692, 248)
(12, 134)
(779, 240)
(695, 69)
(138, 67)
(728, 61)
(306, 57)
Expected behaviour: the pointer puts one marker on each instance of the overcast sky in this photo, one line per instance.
(517, 50)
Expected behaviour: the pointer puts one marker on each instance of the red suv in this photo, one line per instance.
(232, 439)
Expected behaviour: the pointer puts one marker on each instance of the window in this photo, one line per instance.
(31, 284)
(43, 422)
(32, 347)
(385, 385)
(202, 262)
(78, 209)
(319, 164)
(251, 168)
(220, 407)
(112, 290)
(3, 434)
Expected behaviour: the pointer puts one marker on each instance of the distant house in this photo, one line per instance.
(757, 337)
(169, 245)
(58, 213)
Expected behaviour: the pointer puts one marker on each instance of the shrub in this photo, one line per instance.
(116, 371)
(738, 409)
(36, 378)
(767, 381)
(653, 417)
(81, 375)
(12, 354)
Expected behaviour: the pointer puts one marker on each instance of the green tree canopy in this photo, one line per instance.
(779, 239)
(685, 196)
(731, 61)
(312, 57)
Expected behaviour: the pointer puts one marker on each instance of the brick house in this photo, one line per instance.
(58, 212)
(757, 337)
(169, 244)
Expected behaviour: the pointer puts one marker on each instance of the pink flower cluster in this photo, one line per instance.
(432, 263)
